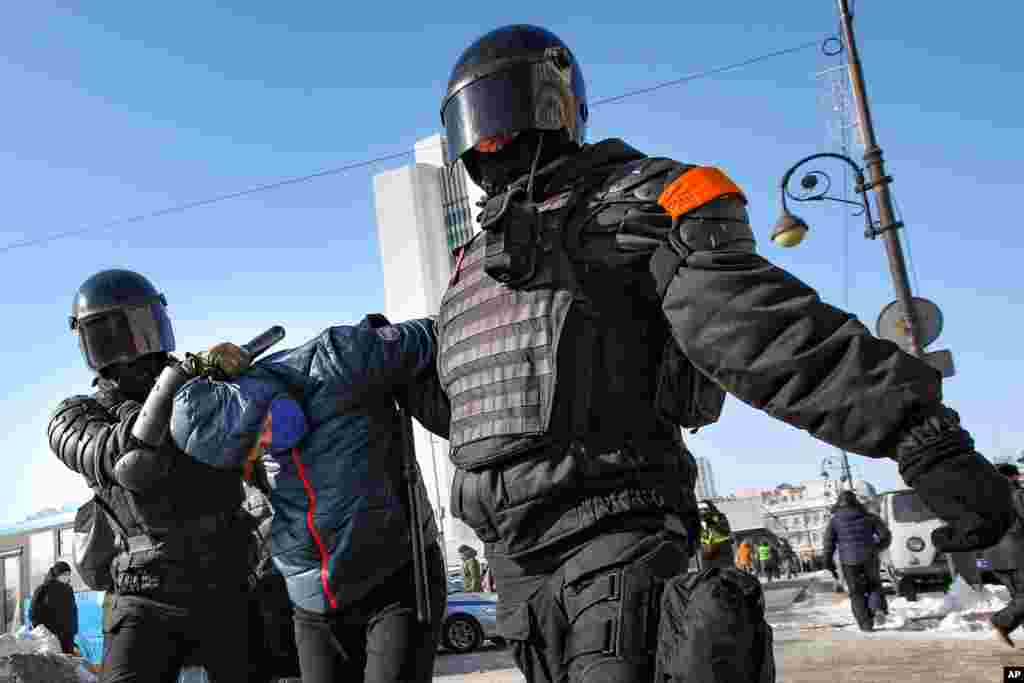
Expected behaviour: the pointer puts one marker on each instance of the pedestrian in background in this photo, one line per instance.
(1006, 560)
(471, 580)
(53, 606)
(764, 559)
(745, 557)
(858, 536)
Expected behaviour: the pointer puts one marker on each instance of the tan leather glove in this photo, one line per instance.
(220, 361)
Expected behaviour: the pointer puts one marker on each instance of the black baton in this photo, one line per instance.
(421, 579)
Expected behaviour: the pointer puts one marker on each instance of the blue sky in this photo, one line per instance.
(118, 109)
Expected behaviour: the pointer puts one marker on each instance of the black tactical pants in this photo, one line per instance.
(594, 619)
(272, 651)
(865, 588)
(377, 639)
(150, 642)
(1011, 616)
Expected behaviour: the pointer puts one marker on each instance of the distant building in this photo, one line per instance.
(424, 212)
(705, 487)
(800, 513)
(744, 514)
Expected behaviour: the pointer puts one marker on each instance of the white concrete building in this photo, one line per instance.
(705, 487)
(424, 211)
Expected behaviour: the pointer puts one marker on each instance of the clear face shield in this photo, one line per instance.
(122, 335)
(531, 95)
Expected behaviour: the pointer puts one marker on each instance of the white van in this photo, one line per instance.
(911, 561)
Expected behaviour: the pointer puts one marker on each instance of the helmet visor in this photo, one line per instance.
(122, 335)
(530, 95)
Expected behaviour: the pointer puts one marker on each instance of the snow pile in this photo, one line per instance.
(962, 611)
(961, 597)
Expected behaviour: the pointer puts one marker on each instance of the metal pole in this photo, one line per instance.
(847, 477)
(879, 184)
(440, 507)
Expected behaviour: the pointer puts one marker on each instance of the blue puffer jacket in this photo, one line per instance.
(857, 533)
(340, 526)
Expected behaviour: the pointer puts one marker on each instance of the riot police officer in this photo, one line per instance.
(571, 356)
(1006, 562)
(180, 580)
(715, 536)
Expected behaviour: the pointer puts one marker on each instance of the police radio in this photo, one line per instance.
(510, 239)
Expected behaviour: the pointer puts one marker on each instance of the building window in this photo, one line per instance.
(65, 542)
(41, 557)
(458, 215)
(12, 592)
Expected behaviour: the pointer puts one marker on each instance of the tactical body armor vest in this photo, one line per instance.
(552, 333)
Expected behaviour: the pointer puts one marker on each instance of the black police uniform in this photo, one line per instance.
(569, 368)
(180, 586)
(1006, 561)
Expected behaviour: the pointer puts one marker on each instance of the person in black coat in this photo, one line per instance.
(53, 606)
(1006, 560)
(859, 536)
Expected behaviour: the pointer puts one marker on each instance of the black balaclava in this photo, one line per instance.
(136, 379)
(495, 171)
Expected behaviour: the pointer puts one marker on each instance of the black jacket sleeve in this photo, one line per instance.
(89, 438)
(90, 434)
(73, 620)
(884, 535)
(39, 610)
(768, 339)
(829, 543)
(420, 392)
(426, 400)
(1018, 502)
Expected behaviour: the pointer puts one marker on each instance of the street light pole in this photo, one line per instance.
(878, 183)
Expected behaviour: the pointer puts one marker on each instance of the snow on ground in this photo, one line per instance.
(962, 612)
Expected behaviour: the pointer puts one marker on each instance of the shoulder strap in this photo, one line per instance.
(119, 530)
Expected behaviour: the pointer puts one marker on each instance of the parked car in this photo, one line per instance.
(470, 619)
(911, 562)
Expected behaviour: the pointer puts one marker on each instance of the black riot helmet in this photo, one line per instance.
(119, 317)
(515, 79)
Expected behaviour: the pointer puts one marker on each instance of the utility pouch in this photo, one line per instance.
(511, 230)
(686, 396)
(712, 629)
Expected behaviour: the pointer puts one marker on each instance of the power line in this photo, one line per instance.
(178, 208)
(116, 223)
(709, 72)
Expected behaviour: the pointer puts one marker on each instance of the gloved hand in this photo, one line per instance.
(140, 469)
(221, 361)
(937, 459)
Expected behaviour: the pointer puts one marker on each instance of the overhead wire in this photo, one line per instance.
(178, 208)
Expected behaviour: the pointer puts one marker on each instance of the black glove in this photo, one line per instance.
(937, 459)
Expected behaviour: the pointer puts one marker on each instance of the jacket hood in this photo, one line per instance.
(220, 422)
